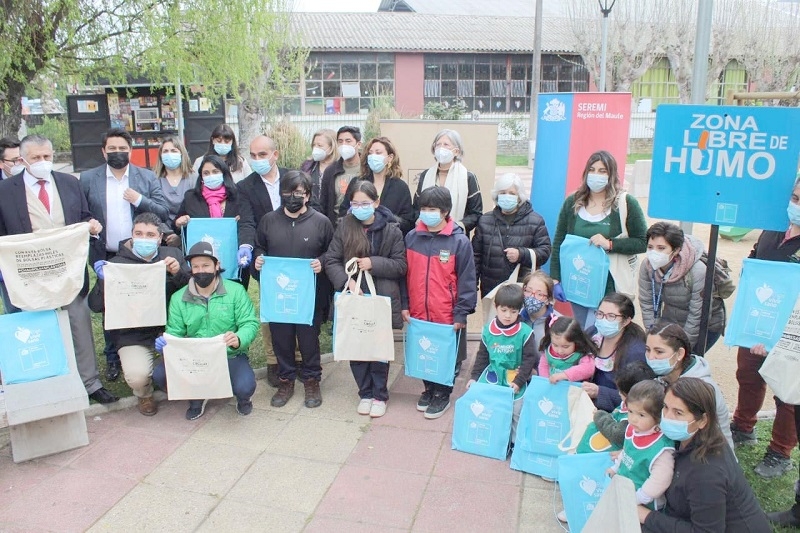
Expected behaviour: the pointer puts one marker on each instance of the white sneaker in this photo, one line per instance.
(364, 406)
(378, 409)
(562, 516)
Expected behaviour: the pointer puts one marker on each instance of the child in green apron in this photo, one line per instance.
(568, 353)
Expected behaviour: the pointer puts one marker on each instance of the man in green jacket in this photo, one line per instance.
(209, 306)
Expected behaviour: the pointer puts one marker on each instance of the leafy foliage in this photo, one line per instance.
(292, 145)
(382, 108)
(445, 111)
(55, 129)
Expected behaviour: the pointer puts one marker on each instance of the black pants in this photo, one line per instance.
(285, 337)
(372, 378)
(446, 390)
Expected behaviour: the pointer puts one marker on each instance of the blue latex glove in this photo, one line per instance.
(160, 343)
(98, 268)
(558, 293)
(244, 256)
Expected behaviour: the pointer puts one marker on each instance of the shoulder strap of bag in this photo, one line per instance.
(370, 282)
(351, 269)
(622, 208)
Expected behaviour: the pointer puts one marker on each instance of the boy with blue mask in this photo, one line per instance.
(136, 344)
(440, 286)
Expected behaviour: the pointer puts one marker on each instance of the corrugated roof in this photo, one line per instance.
(506, 8)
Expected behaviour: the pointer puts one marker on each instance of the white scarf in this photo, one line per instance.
(456, 183)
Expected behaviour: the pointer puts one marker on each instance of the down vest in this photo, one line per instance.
(387, 254)
(494, 234)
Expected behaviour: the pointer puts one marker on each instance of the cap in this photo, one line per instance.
(200, 249)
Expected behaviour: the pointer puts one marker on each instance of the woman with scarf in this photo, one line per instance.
(449, 172)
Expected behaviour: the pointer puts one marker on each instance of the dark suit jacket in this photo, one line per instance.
(141, 180)
(237, 207)
(253, 189)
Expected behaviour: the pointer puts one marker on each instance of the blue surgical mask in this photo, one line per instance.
(662, 367)
(145, 247)
(213, 181)
(363, 213)
(507, 202)
(171, 160)
(262, 166)
(223, 148)
(596, 182)
(677, 430)
(793, 211)
(430, 218)
(533, 305)
(606, 327)
(376, 162)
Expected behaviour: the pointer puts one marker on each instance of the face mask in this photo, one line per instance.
(363, 213)
(262, 166)
(596, 182)
(507, 202)
(145, 247)
(793, 211)
(318, 154)
(171, 160)
(607, 328)
(430, 218)
(117, 160)
(443, 155)
(662, 367)
(533, 305)
(204, 279)
(213, 181)
(292, 204)
(16, 169)
(677, 430)
(223, 148)
(657, 259)
(41, 170)
(376, 162)
(347, 151)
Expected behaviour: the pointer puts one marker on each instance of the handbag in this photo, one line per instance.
(584, 271)
(782, 365)
(623, 267)
(482, 420)
(223, 235)
(33, 347)
(487, 302)
(197, 368)
(582, 480)
(362, 324)
(134, 295)
(616, 509)
(431, 351)
(288, 291)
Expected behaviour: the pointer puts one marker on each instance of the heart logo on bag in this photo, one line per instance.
(425, 343)
(578, 263)
(763, 293)
(588, 485)
(545, 405)
(22, 334)
(477, 408)
(282, 280)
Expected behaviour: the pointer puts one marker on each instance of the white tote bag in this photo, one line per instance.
(363, 323)
(622, 267)
(45, 269)
(781, 368)
(197, 369)
(616, 509)
(487, 302)
(135, 295)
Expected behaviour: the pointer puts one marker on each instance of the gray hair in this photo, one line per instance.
(33, 139)
(505, 182)
(454, 137)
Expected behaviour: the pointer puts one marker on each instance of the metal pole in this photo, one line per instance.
(536, 81)
(604, 48)
(179, 104)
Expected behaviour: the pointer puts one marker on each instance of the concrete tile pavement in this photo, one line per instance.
(289, 469)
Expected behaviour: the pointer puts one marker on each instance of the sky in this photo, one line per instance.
(345, 6)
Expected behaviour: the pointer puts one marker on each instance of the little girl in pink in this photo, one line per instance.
(567, 352)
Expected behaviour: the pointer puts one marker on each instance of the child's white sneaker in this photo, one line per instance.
(364, 406)
(562, 516)
(378, 409)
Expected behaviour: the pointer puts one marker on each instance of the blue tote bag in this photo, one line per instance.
(33, 347)
(482, 420)
(430, 351)
(223, 235)
(288, 290)
(582, 480)
(584, 271)
(765, 299)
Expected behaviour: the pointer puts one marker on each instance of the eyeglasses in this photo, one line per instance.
(360, 204)
(537, 294)
(12, 161)
(296, 194)
(610, 316)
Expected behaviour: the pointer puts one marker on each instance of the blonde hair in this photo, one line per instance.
(330, 136)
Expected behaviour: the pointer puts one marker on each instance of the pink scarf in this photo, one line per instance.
(214, 199)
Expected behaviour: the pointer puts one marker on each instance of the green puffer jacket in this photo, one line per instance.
(228, 309)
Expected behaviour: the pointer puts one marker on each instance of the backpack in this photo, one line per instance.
(723, 282)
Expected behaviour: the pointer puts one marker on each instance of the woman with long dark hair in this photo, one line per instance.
(223, 144)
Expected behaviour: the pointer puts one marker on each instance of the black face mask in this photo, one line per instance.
(204, 279)
(293, 204)
(118, 160)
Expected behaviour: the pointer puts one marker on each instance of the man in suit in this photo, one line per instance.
(10, 165)
(39, 198)
(116, 193)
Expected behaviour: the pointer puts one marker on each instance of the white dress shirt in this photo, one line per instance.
(119, 221)
(274, 190)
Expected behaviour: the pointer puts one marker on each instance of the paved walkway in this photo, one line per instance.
(291, 469)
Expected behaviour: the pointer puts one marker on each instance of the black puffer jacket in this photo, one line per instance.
(493, 234)
(387, 254)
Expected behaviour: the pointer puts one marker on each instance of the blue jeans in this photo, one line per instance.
(243, 379)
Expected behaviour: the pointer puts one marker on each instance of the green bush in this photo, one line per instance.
(292, 145)
(55, 129)
(445, 111)
(382, 108)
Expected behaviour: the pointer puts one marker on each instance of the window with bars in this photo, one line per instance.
(346, 82)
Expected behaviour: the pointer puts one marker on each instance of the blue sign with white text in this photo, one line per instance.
(726, 165)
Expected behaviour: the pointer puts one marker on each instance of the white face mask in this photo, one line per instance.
(318, 154)
(16, 169)
(347, 151)
(444, 155)
(41, 170)
(658, 259)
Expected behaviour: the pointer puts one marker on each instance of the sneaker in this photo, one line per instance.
(743, 438)
(548, 479)
(438, 406)
(378, 409)
(784, 518)
(313, 394)
(364, 406)
(196, 409)
(773, 465)
(244, 407)
(562, 516)
(284, 393)
(272, 376)
(148, 406)
(424, 400)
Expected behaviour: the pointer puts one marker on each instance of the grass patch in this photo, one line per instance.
(511, 161)
(632, 158)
